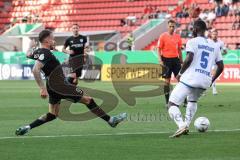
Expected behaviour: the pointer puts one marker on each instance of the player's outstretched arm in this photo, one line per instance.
(32, 47)
(220, 67)
(37, 75)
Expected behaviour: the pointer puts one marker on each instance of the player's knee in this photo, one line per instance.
(167, 82)
(192, 104)
(171, 104)
(86, 100)
(48, 117)
(71, 80)
(166, 89)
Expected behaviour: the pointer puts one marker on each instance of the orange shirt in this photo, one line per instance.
(169, 45)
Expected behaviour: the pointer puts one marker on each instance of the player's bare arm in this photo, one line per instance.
(187, 62)
(31, 48)
(37, 75)
(180, 55)
(159, 56)
(220, 67)
(65, 50)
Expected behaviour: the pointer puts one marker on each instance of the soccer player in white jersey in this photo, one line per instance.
(220, 44)
(194, 76)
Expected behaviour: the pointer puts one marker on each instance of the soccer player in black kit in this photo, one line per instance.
(57, 88)
(76, 44)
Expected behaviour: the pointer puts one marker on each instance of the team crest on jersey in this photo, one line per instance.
(41, 57)
(79, 90)
(36, 56)
(81, 40)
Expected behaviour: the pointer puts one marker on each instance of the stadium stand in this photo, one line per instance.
(223, 23)
(90, 14)
(99, 15)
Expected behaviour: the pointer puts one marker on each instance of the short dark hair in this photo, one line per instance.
(200, 25)
(171, 21)
(44, 34)
(214, 30)
(75, 24)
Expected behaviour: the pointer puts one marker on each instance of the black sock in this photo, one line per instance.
(43, 119)
(166, 92)
(98, 111)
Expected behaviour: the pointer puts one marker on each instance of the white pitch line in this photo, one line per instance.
(106, 134)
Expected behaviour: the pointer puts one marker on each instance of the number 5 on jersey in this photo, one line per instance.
(204, 60)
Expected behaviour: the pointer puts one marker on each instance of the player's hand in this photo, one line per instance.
(43, 93)
(70, 52)
(161, 62)
(33, 44)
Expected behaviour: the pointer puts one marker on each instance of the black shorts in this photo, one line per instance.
(171, 65)
(77, 71)
(76, 64)
(63, 90)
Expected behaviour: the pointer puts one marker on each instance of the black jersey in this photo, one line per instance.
(50, 62)
(77, 44)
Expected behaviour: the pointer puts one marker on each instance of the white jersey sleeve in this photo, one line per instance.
(191, 47)
(222, 46)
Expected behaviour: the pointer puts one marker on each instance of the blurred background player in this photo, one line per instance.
(220, 44)
(170, 55)
(194, 76)
(76, 44)
(56, 88)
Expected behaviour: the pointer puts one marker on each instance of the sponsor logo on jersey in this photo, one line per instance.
(36, 56)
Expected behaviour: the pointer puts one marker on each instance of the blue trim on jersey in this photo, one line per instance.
(191, 86)
(186, 84)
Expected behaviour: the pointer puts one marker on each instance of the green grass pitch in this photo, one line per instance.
(139, 138)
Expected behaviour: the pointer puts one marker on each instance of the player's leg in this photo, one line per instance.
(75, 94)
(176, 69)
(177, 97)
(192, 105)
(72, 78)
(166, 89)
(113, 121)
(214, 88)
(51, 115)
(167, 71)
(75, 66)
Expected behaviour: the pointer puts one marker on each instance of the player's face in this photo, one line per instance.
(214, 35)
(51, 42)
(194, 32)
(171, 27)
(75, 29)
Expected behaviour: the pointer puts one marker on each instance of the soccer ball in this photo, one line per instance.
(201, 124)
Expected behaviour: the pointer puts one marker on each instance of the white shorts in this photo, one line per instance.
(182, 91)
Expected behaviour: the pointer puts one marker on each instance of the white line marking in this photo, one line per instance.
(106, 134)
